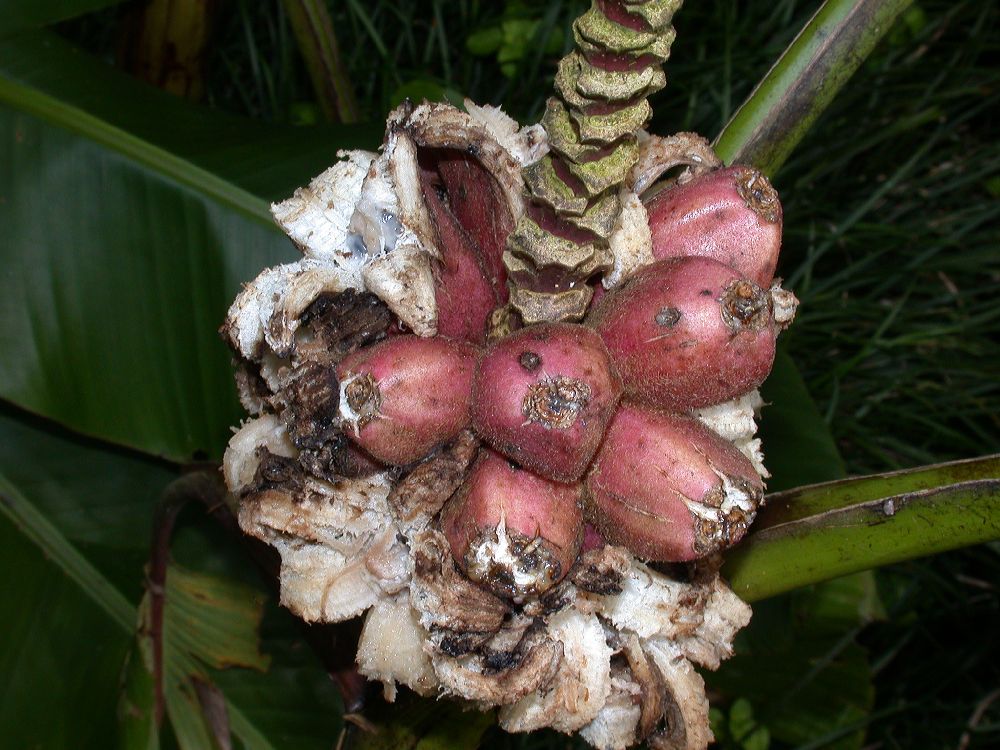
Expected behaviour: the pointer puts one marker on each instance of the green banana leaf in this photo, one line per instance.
(75, 523)
(19, 16)
(93, 203)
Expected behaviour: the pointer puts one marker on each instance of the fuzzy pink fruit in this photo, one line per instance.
(543, 396)
(475, 200)
(668, 488)
(688, 332)
(404, 396)
(512, 531)
(464, 294)
(592, 538)
(732, 215)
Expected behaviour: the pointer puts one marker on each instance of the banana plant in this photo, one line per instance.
(134, 611)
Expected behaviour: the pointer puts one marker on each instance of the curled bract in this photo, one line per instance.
(365, 223)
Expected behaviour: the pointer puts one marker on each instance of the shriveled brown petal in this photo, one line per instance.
(614, 728)
(724, 615)
(470, 679)
(652, 604)
(340, 551)
(602, 570)
(507, 648)
(339, 324)
(444, 126)
(647, 674)
(423, 492)
(579, 689)
(391, 648)
(658, 154)
(443, 596)
(687, 726)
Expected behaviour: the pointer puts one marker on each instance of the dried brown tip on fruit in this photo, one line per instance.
(543, 395)
(744, 306)
(668, 488)
(360, 399)
(758, 194)
(510, 562)
(512, 532)
(556, 403)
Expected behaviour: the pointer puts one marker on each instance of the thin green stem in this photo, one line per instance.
(804, 80)
(816, 533)
(310, 21)
(183, 172)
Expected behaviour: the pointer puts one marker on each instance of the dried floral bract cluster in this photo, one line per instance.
(504, 405)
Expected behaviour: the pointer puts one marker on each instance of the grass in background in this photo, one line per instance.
(893, 240)
(892, 220)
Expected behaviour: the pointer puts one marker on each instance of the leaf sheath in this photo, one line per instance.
(804, 80)
(826, 531)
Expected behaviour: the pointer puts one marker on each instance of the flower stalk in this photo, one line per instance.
(561, 241)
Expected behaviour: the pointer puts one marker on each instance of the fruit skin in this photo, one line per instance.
(463, 292)
(687, 332)
(668, 488)
(592, 538)
(404, 396)
(543, 397)
(476, 201)
(732, 215)
(500, 499)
